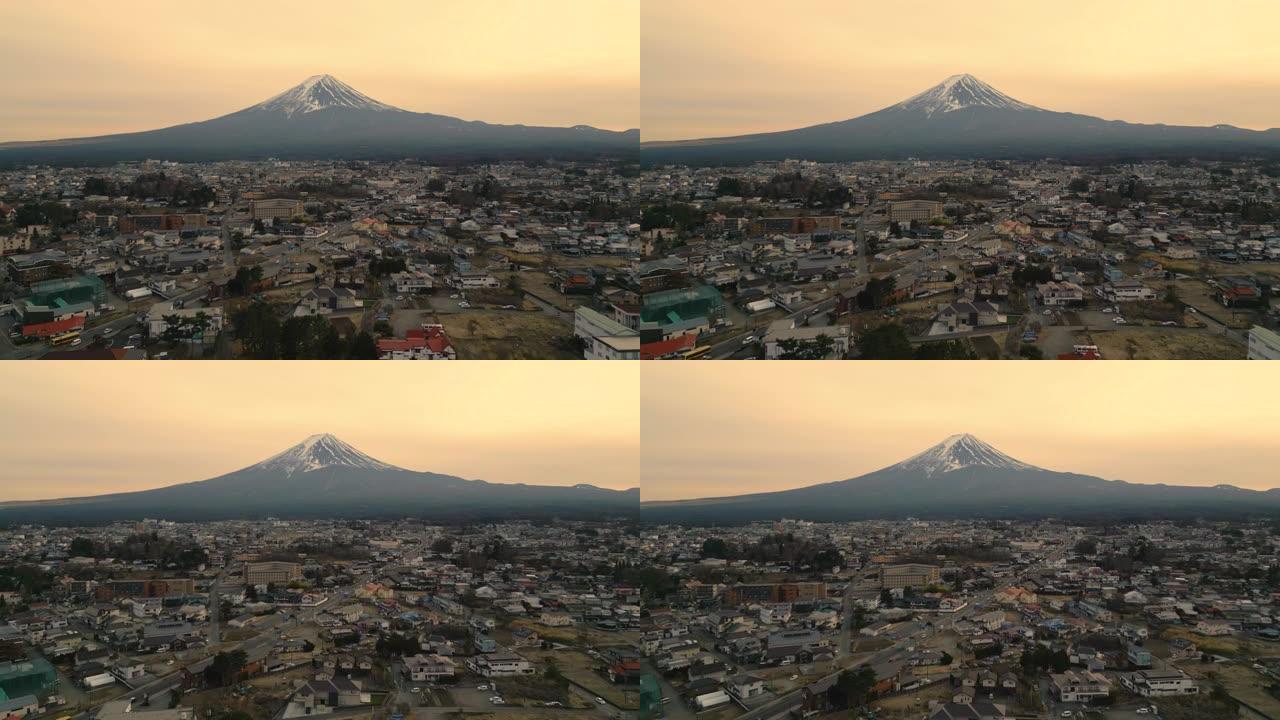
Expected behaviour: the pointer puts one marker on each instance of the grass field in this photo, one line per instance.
(1161, 343)
(507, 335)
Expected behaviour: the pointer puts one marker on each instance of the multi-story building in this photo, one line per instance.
(774, 593)
(10, 244)
(909, 575)
(264, 573)
(499, 664)
(792, 225)
(908, 210)
(1160, 683)
(277, 208)
(169, 587)
(1084, 686)
(161, 222)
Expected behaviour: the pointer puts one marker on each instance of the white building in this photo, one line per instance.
(1160, 683)
(499, 664)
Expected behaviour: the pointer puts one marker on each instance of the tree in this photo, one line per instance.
(82, 547)
(715, 548)
(1086, 546)
(246, 279)
(887, 342)
(877, 294)
(258, 329)
(818, 348)
(225, 668)
(443, 546)
(363, 347)
(852, 688)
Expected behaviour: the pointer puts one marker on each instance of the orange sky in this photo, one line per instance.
(85, 67)
(723, 67)
(71, 429)
(718, 428)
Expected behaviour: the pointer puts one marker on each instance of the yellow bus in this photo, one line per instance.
(698, 352)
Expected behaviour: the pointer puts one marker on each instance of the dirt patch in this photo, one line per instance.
(496, 335)
(581, 669)
(1162, 344)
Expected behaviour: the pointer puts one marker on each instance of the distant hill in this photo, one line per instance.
(963, 117)
(324, 118)
(963, 477)
(325, 477)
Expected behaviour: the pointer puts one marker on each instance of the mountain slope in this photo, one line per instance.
(324, 118)
(963, 117)
(963, 477)
(325, 477)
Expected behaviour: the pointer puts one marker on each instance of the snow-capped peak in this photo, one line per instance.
(960, 451)
(320, 92)
(958, 92)
(321, 451)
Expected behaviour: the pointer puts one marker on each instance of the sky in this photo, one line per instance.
(725, 67)
(74, 429)
(87, 67)
(715, 429)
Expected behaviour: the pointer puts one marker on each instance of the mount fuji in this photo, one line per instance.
(963, 117)
(323, 476)
(964, 477)
(324, 118)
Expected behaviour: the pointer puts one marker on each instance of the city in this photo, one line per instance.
(963, 619)
(287, 619)
(961, 259)
(317, 260)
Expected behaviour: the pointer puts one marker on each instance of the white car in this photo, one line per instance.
(482, 687)
(1143, 711)
(599, 700)
(108, 332)
(1107, 310)
(1047, 311)
(748, 339)
(1192, 310)
(415, 690)
(400, 298)
(77, 341)
(1118, 320)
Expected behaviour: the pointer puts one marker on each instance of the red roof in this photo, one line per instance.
(55, 327)
(664, 348)
(433, 338)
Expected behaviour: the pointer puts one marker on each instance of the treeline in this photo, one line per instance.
(176, 190)
(147, 547)
(813, 191)
(263, 336)
(777, 547)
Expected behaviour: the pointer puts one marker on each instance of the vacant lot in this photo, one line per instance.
(508, 335)
(1240, 680)
(580, 668)
(1162, 343)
